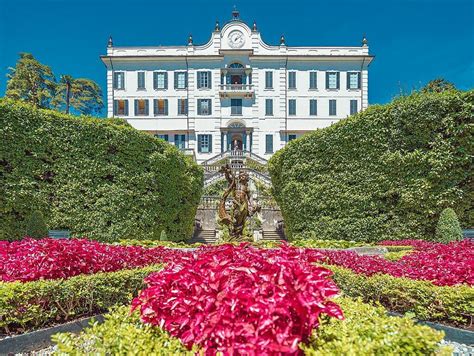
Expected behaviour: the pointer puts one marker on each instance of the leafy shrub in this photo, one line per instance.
(29, 260)
(448, 228)
(310, 240)
(32, 305)
(241, 298)
(396, 255)
(367, 330)
(35, 225)
(441, 264)
(163, 236)
(121, 333)
(94, 178)
(385, 173)
(156, 243)
(420, 298)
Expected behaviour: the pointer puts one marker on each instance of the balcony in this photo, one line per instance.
(236, 90)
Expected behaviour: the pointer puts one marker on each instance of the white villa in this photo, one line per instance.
(235, 92)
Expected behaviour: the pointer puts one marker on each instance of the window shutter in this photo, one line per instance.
(136, 107)
(348, 82)
(337, 77)
(166, 80)
(199, 143)
(115, 81)
(166, 106)
(176, 74)
(155, 80)
(198, 75)
(186, 79)
(122, 81)
(209, 79)
(210, 106)
(146, 107)
(327, 80)
(185, 106)
(155, 107)
(126, 107)
(199, 107)
(210, 143)
(358, 80)
(115, 107)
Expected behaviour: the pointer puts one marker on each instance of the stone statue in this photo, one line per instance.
(242, 206)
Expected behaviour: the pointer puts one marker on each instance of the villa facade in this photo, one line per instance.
(236, 91)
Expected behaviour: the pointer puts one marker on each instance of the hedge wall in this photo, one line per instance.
(385, 173)
(91, 176)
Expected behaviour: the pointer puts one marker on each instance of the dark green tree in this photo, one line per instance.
(83, 95)
(35, 225)
(31, 81)
(437, 86)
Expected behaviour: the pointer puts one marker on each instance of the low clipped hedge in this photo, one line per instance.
(422, 299)
(32, 305)
(368, 330)
(383, 174)
(365, 330)
(95, 178)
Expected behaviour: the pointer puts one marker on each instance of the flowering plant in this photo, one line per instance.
(31, 259)
(240, 300)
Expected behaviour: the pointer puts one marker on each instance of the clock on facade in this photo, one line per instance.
(236, 39)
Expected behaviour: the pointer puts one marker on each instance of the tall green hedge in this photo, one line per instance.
(385, 173)
(91, 176)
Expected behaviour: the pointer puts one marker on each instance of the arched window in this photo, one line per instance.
(235, 65)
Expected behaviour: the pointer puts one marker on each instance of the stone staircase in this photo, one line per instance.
(204, 237)
(273, 235)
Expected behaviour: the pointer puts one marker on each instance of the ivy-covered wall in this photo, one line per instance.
(98, 179)
(385, 173)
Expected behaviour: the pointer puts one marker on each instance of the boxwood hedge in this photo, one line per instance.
(385, 173)
(96, 178)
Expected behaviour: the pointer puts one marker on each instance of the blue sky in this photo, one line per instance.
(413, 41)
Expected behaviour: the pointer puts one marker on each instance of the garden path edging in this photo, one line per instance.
(40, 339)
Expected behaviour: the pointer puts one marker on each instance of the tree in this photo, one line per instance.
(437, 86)
(31, 81)
(448, 228)
(81, 94)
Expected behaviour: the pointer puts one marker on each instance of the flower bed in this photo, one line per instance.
(30, 259)
(442, 264)
(239, 300)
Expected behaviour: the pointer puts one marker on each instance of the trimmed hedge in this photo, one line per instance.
(32, 305)
(383, 174)
(366, 330)
(448, 228)
(422, 299)
(120, 334)
(93, 177)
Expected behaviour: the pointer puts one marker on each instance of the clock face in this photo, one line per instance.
(236, 39)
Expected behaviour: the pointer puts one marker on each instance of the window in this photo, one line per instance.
(119, 80)
(332, 107)
(180, 141)
(141, 80)
(353, 107)
(205, 143)
(268, 107)
(291, 137)
(236, 106)
(292, 107)
(204, 107)
(313, 107)
(121, 107)
(163, 137)
(313, 80)
(268, 80)
(182, 106)
(353, 80)
(160, 80)
(332, 80)
(291, 80)
(268, 143)
(141, 107)
(160, 107)
(180, 80)
(204, 80)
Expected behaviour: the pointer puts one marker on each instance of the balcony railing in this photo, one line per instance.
(236, 90)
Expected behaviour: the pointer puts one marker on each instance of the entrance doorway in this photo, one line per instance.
(237, 142)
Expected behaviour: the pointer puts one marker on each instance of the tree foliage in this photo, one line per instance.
(383, 174)
(97, 179)
(31, 81)
(437, 86)
(83, 95)
(35, 225)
